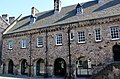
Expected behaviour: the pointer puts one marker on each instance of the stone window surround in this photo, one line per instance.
(24, 43)
(72, 35)
(81, 37)
(39, 41)
(58, 39)
(98, 34)
(114, 30)
(10, 44)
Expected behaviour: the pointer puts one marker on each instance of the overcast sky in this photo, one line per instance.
(17, 7)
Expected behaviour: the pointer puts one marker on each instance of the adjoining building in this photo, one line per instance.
(4, 23)
(78, 39)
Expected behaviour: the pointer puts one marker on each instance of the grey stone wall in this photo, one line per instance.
(98, 52)
(3, 25)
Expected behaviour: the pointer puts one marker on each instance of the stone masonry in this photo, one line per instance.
(98, 52)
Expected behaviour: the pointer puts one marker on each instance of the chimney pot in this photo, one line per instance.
(34, 11)
(4, 16)
(11, 19)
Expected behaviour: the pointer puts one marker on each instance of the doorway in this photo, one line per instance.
(40, 67)
(59, 67)
(23, 67)
(10, 67)
(116, 52)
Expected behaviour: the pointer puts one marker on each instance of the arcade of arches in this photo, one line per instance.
(59, 67)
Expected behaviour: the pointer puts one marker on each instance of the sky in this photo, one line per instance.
(17, 7)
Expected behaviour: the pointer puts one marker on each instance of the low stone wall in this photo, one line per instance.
(111, 71)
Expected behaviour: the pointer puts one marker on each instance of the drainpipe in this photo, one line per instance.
(46, 52)
(70, 71)
(30, 54)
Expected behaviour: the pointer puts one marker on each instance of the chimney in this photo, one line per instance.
(11, 19)
(57, 6)
(33, 17)
(34, 11)
(4, 16)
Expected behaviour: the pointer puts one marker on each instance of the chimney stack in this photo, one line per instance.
(33, 17)
(4, 16)
(57, 6)
(11, 19)
(34, 11)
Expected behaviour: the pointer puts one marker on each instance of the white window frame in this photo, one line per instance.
(79, 10)
(71, 35)
(81, 37)
(98, 35)
(114, 33)
(24, 43)
(39, 41)
(10, 45)
(59, 39)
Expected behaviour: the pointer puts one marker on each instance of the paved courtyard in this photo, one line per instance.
(26, 77)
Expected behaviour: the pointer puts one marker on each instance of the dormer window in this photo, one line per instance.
(100, 1)
(79, 9)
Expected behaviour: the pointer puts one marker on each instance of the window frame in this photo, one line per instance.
(39, 39)
(72, 37)
(59, 38)
(98, 35)
(82, 38)
(24, 43)
(10, 44)
(79, 10)
(114, 32)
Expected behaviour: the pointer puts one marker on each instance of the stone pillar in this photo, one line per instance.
(50, 70)
(19, 69)
(34, 69)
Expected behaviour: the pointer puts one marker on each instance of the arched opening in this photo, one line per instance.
(24, 67)
(40, 67)
(116, 52)
(83, 67)
(10, 67)
(59, 67)
(3, 68)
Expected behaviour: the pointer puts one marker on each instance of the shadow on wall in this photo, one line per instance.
(107, 5)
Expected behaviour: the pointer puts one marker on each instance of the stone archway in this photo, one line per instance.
(40, 67)
(23, 66)
(59, 67)
(116, 52)
(10, 67)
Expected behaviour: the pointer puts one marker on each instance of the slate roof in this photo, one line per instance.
(91, 10)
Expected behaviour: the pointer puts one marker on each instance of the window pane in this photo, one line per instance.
(81, 36)
(97, 35)
(39, 41)
(10, 45)
(71, 36)
(114, 33)
(59, 39)
(24, 43)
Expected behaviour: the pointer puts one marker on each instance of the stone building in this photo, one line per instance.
(3, 25)
(78, 39)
